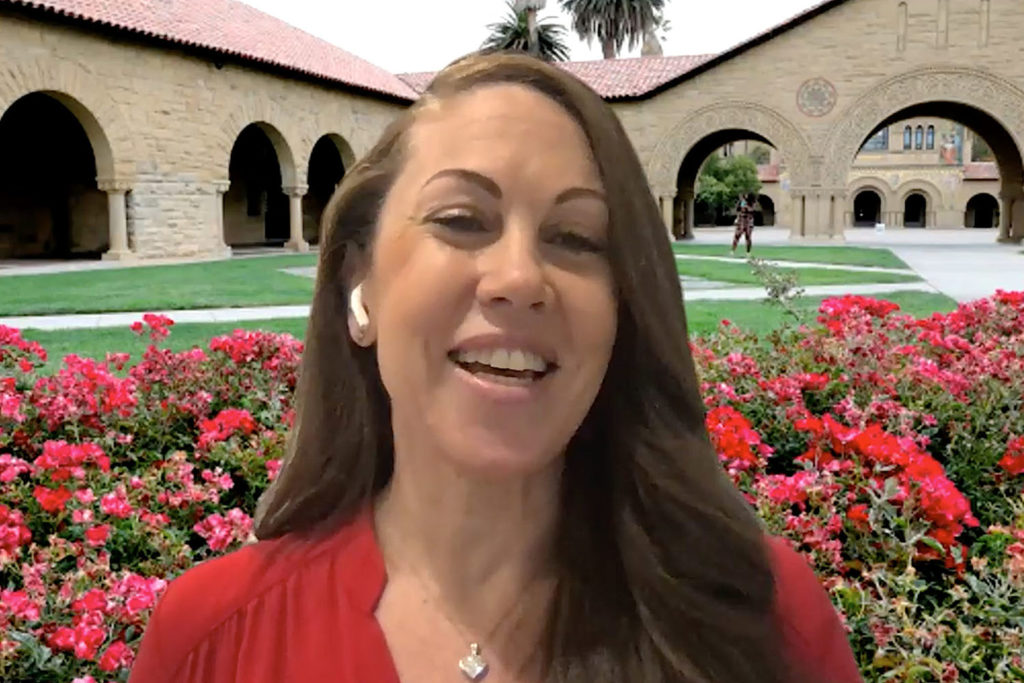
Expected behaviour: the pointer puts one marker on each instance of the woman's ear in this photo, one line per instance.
(360, 321)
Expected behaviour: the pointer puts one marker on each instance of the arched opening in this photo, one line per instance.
(915, 211)
(745, 158)
(50, 205)
(765, 213)
(867, 208)
(255, 206)
(982, 211)
(326, 169)
(971, 152)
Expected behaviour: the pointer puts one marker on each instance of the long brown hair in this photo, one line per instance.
(664, 576)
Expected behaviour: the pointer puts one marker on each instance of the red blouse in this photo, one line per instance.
(292, 609)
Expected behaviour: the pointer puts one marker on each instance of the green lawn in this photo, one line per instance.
(741, 274)
(254, 281)
(95, 343)
(844, 256)
(703, 317)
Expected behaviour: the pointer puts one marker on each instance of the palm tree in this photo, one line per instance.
(513, 33)
(531, 7)
(614, 23)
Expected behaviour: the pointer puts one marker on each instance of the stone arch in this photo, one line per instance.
(874, 184)
(766, 123)
(994, 106)
(348, 157)
(272, 121)
(982, 210)
(326, 161)
(83, 95)
(920, 186)
(879, 185)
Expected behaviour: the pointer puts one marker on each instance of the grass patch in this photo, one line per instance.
(255, 281)
(842, 256)
(95, 343)
(740, 273)
(703, 318)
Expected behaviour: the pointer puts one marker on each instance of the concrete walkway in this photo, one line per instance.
(797, 264)
(80, 321)
(962, 264)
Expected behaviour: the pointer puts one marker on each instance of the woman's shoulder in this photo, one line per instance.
(811, 627)
(209, 594)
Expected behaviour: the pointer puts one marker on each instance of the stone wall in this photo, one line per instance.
(817, 91)
(162, 122)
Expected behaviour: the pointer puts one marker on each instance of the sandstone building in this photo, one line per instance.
(186, 127)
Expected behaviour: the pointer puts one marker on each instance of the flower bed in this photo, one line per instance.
(890, 450)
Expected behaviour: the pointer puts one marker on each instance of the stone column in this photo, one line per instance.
(668, 214)
(689, 217)
(1011, 228)
(295, 194)
(822, 214)
(117, 213)
(220, 188)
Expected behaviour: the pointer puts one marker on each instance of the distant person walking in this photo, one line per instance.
(744, 222)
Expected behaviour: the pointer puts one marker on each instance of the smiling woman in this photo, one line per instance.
(499, 468)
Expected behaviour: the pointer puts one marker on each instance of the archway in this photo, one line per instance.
(674, 164)
(765, 214)
(721, 149)
(982, 211)
(50, 205)
(867, 208)
(326, 169)
(255, 206)
(915, 211)
(950, 94)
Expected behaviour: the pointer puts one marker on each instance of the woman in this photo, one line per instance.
(744, 222)
(499, 469)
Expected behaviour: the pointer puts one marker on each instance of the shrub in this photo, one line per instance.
(889, 450)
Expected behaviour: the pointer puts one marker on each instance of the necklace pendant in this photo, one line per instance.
(473, 665)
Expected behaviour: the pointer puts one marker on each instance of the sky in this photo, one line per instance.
(423, 35)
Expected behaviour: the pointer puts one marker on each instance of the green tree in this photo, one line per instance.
(722, 181)
(614, 23)
(513, 33)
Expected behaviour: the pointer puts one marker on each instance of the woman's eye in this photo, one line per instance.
(576, 242)
(460, 223)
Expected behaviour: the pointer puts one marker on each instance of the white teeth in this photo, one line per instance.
(505, 359)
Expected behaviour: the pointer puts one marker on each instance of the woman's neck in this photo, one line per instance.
(478, 544)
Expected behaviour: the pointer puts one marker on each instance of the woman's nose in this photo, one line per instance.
(513, 272)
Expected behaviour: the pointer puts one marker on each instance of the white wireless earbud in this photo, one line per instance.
(355, 304)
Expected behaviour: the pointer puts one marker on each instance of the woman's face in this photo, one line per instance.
(490, 295)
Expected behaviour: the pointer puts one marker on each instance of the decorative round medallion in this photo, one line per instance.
(816, 97)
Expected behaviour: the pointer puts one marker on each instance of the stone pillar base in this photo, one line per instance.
(300, 247)
(1009, 240)
(119, 256)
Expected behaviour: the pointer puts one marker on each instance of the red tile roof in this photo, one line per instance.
(612, 79)
(231, 28)
(768, 173)
(623, 78)
(981, 170)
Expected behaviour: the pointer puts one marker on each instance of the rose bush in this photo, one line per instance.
(889, 450)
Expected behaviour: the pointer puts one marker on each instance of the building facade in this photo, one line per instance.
(134, 130)
(129, 136)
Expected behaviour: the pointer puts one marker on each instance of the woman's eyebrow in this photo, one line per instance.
(478, 179)
(579, 193)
